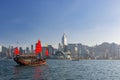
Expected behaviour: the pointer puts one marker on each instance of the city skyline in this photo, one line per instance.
(87, 22)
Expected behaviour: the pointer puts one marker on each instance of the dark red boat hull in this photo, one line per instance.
(29, 61)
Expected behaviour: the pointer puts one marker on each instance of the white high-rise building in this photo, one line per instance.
(64, 40)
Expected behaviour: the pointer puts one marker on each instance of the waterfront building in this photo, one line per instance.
(32, 49)
(21, 50)
(43, 52)
(50, 49)
(27, 50)
(10, 52)
(60, 48)
(3, 51)
(73, 48)
(63, 52)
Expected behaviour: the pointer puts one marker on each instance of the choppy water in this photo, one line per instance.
(62, 70)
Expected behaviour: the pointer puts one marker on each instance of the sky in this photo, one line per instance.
(89, 22)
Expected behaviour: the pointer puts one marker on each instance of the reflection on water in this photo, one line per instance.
(16, 72)
(33, 73)
(38, 73)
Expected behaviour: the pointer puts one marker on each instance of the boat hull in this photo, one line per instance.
(29, 61)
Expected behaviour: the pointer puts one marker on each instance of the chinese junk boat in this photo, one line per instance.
(34, 59)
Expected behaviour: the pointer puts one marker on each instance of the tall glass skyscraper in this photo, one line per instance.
(64, 42)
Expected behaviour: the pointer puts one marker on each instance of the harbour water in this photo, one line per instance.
(62, 70)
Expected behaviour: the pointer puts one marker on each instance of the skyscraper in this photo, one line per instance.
(32, 50)
(60, 47)
(64, 42)
(27, 50)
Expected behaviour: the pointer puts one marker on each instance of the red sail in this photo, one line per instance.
(47, 52)
(16, 51)
(38, 47)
